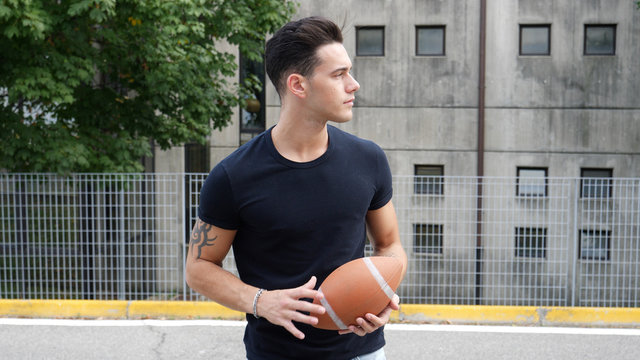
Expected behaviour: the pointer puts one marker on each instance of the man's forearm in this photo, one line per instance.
(396, 250)
(220, 285)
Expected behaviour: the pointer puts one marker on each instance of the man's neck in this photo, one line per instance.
(299, 138)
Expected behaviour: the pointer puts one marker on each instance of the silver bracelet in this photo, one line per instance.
(255, 303)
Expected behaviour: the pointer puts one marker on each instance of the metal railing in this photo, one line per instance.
(547, 241)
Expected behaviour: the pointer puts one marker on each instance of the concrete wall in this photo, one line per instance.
(567, 110)
(564, 111)
(420, 110)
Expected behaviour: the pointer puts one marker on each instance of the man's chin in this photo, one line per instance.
(341, 119)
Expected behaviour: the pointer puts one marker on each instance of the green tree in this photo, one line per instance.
(85, 84)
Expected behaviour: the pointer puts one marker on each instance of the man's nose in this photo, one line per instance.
(353, 85)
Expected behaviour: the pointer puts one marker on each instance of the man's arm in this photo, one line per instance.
(382, 225)
(208, 246)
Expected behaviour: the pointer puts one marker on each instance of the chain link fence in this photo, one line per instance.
(494, 241)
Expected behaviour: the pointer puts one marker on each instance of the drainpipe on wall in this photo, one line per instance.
(480, 153)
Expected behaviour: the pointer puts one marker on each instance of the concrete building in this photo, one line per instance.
(548, 103)
(552, 91)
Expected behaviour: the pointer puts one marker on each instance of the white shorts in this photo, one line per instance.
(376, 355)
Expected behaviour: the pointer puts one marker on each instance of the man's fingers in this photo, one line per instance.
(395, 302)
(311, 283)
(305, 319)
(294, 330)
(306, 290)
(310, 307)
(282, 307)
(357, 330)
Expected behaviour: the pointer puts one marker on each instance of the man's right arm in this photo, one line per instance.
(208, 246)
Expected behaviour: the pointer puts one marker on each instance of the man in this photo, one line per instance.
(295, 203)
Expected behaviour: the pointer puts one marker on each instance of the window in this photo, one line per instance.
(252, 115)
(595, 244)
(370, 41)
(531, 242)
(428, 179)
(535, 39)
(596, 183)
(427, 239)
(599, 39)
(430, 40)
(531, 182)
(196, 158)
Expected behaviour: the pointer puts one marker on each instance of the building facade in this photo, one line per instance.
(531, 90)
(560, 91)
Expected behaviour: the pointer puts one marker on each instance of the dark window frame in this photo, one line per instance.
(615, 36)
(422, 237)
(525, 238)
(548, 26)
(196, 157)
(371, 27)
(422, 187)
(609, 184)
(444, 39)
(245, 68)
(546, 181)
(592, 232)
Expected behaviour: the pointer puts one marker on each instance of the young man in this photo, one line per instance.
(295, 203)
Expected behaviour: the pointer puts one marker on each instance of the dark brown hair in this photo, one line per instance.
(292, 49)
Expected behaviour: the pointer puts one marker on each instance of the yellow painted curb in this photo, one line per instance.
(182, 310)
(520, 315)
(595, 316)
(63, 308)
(395, 316)
(469, 313)
(483, 314)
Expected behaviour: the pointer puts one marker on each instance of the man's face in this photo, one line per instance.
(332, 88)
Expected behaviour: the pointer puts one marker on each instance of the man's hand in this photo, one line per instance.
(282, 307)
(370, 322)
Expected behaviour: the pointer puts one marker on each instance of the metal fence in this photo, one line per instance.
(495, 241)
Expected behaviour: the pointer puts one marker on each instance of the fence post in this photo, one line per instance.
(479, 244)
(121, 277)
(185, 219)
(574, 254)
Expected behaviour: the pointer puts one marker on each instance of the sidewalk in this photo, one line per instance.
(222, 339)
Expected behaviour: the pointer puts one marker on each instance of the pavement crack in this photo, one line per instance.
(157, 349)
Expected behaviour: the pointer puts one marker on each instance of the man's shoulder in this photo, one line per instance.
(344, 138)
(252, 151)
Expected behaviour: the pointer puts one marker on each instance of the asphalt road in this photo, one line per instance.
(157, 339)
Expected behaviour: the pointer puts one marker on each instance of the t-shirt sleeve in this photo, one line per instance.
(217, 206)
(383, 181)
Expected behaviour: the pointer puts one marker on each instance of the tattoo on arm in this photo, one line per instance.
(200, 237)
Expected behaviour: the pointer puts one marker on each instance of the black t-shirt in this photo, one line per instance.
(295, 220)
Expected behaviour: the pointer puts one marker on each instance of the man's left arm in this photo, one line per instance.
(382, 226)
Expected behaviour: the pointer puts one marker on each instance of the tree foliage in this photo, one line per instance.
(85, 84)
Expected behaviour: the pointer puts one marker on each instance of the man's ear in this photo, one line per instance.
(297, 85)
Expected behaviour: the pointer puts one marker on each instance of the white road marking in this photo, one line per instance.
(388, 327)
(513, 329)
(116, 323)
